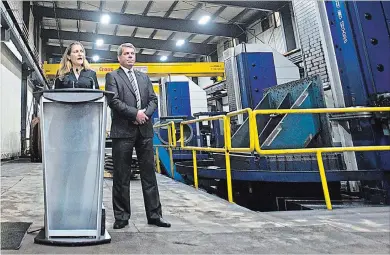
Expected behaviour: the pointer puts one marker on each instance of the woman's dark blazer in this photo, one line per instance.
(86, 80)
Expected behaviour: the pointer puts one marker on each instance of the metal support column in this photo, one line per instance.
(23, 102)
(343, 128)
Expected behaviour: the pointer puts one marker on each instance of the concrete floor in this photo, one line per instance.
(201, 223)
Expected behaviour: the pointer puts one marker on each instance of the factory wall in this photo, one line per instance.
(273, 36)
(306, 16)
(10, 99)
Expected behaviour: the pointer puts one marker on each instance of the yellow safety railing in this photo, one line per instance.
(208, 149)
(226, 149)
(251, 133)
(317, 151)
(171, 143)
(254, 143)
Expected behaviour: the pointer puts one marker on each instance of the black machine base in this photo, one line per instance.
(71, 241)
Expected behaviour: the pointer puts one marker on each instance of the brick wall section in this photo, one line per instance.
(309, 37)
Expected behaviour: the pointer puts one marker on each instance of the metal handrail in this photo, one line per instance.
(251, 133)
(320, 150)
(254, 143)
(208, 149)
(171, 144)
(171, 132)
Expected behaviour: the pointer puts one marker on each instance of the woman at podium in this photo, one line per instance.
(75, 71)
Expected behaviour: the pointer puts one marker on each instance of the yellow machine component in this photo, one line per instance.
(156, 88)
(201, 69)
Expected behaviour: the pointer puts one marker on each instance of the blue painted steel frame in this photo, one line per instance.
(165, 161)
(285, 176)
(256, 71)
(362, 44)
(178, 98)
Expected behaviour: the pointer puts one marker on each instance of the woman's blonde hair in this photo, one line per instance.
(66, 64)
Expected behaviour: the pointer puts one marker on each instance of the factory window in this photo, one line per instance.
(265, 24)
(278, 19)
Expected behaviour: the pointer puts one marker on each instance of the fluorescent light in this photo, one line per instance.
(105, 19)
(204, 20)
(99, 42)
(163, 58)
(180, 43)
(95, 58)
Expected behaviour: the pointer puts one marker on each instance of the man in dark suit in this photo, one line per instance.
(132, 107)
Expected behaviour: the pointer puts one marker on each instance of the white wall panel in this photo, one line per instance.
(204, 81)
(10, 97)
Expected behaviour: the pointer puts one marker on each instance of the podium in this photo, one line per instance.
(73, 125)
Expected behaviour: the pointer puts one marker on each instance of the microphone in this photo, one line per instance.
(54, 85)
(77, 72)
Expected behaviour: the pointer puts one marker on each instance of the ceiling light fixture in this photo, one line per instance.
(95, 58)
(204, 20)
(105, 19)
(99, 42)
(180, 43)
(163, 58)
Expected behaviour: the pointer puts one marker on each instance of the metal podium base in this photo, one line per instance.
(72, 241)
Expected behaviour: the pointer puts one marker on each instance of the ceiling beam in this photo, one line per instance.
(58, 22)
(213, 17)
(147, 9)
(180, 25)
(258, 5)
(239, 16)
(124, 7)
(193, 48)
(78, 21)
(55, 51)
(97, 23)
(256, 18)
(189, 16)
(166, 15)
(232, 21)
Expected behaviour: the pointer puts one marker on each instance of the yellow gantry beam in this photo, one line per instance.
(202, 69)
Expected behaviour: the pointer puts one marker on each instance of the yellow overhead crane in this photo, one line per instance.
(190, 69)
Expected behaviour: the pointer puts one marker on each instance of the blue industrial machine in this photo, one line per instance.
(360, 33)
(251, 68)
(253, 173)
(258, 77)
(180, 99)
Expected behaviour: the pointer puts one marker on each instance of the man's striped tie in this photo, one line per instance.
(135, 87)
